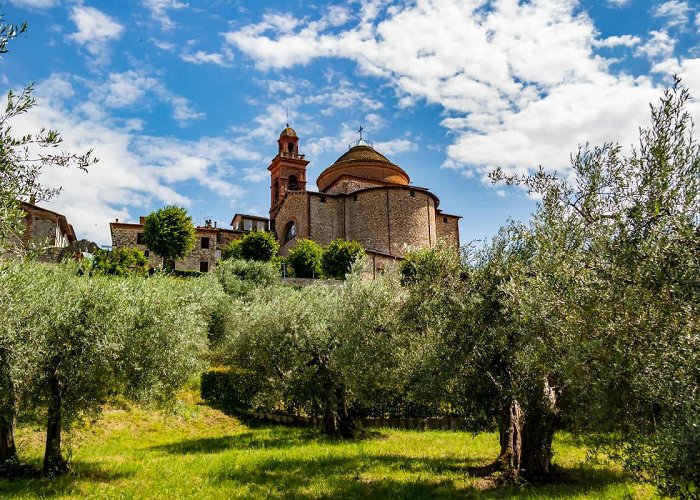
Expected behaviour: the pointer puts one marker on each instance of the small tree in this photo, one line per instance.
(232, 251)
(257, 245)
(169, 232)
(339, 257)
(305, 259)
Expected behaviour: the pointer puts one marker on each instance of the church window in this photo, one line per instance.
(290, 232)
(293, 184)
(275, 193)
(290, 147)
(205, 242)
(323, 199)
(354, 197)
(413, 193)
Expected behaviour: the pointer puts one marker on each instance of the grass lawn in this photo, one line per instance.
(203, 453)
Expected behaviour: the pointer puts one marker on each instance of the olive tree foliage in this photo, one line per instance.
(170, 233)
(22, 158)
(613, 283)
(316, 349)
(71, 342)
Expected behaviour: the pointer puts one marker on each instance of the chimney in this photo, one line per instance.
(214, 224)
(116, 221)
(142, 219)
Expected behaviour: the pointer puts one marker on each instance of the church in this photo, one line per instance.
(362, 196)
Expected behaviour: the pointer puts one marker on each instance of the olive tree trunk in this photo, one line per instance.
(526, 435)
(8, 415)
(54, 463)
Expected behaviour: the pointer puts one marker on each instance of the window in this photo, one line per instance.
(218, 237)
(413, 193)
(292, 183)
(204, 266)
(354, 198)
(290, 232)
(444, 219)
(139, 238)
(146, 253)
(323, 199)
(290, 147)
(247, 224)
(205, 242)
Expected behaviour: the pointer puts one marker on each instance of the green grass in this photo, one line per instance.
(203, 453)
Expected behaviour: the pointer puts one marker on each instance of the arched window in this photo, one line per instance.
(290, 147)
(292, 183)
(290, 231)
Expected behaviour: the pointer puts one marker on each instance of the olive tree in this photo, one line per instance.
(339, 256)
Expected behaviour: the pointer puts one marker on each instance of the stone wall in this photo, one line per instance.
(367, 219)
(293, 208)
(448, 229)
(350, 185)
(326, 218)
(412, 216)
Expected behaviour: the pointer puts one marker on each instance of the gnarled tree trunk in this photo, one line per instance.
(54, 463)
(8, 415)
(526, 435)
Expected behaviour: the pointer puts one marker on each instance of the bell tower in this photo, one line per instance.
(287, 169)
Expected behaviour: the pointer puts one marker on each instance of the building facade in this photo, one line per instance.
(362, 196)
(211, 240)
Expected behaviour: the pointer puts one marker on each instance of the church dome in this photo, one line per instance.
(288, 132)
(362, 161)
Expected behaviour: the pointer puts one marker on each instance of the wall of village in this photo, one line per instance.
(44, 232)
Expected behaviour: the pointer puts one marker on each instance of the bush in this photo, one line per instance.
(305, 259)
(339, 257)
(239, 277)
(259, 245)
(228, 387)
(232, 250)
(120, 262)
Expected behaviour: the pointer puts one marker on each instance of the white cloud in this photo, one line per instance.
(618, 3)
(520, 82)
(223, 58)
(124, 90)
(659, 46)
(95, 30)
(135, 171)
(618, 41)
(159, 11)
(675, 12)
(34, 4)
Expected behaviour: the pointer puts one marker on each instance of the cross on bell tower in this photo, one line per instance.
(287, 169)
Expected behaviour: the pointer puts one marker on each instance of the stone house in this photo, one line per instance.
(211, 240)
(45, 230)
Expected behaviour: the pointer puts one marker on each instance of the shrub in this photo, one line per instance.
(120, 262)
(239, 277)
(232, 250)
(305, 259)
(339, 257)
(259, 245)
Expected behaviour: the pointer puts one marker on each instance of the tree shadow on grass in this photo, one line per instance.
(80, 472)
(269, 437)
(398, 476)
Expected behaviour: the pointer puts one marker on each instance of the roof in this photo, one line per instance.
(66, 228)
(288, 132)
(363, 161)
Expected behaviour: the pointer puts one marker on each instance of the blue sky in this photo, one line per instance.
(183, 101)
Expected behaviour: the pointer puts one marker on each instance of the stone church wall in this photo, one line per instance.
(367, 219)
(326, 218)
(448, 229)
(346, 186)
(294, 208)
(412, 220)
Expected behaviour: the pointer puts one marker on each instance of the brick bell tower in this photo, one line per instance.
(287, 169)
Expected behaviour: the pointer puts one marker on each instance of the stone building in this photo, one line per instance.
(363, 196)
(207, 250)
(44, 230)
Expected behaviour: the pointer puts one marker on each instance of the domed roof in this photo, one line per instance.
(364, 162)
(288, 132)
